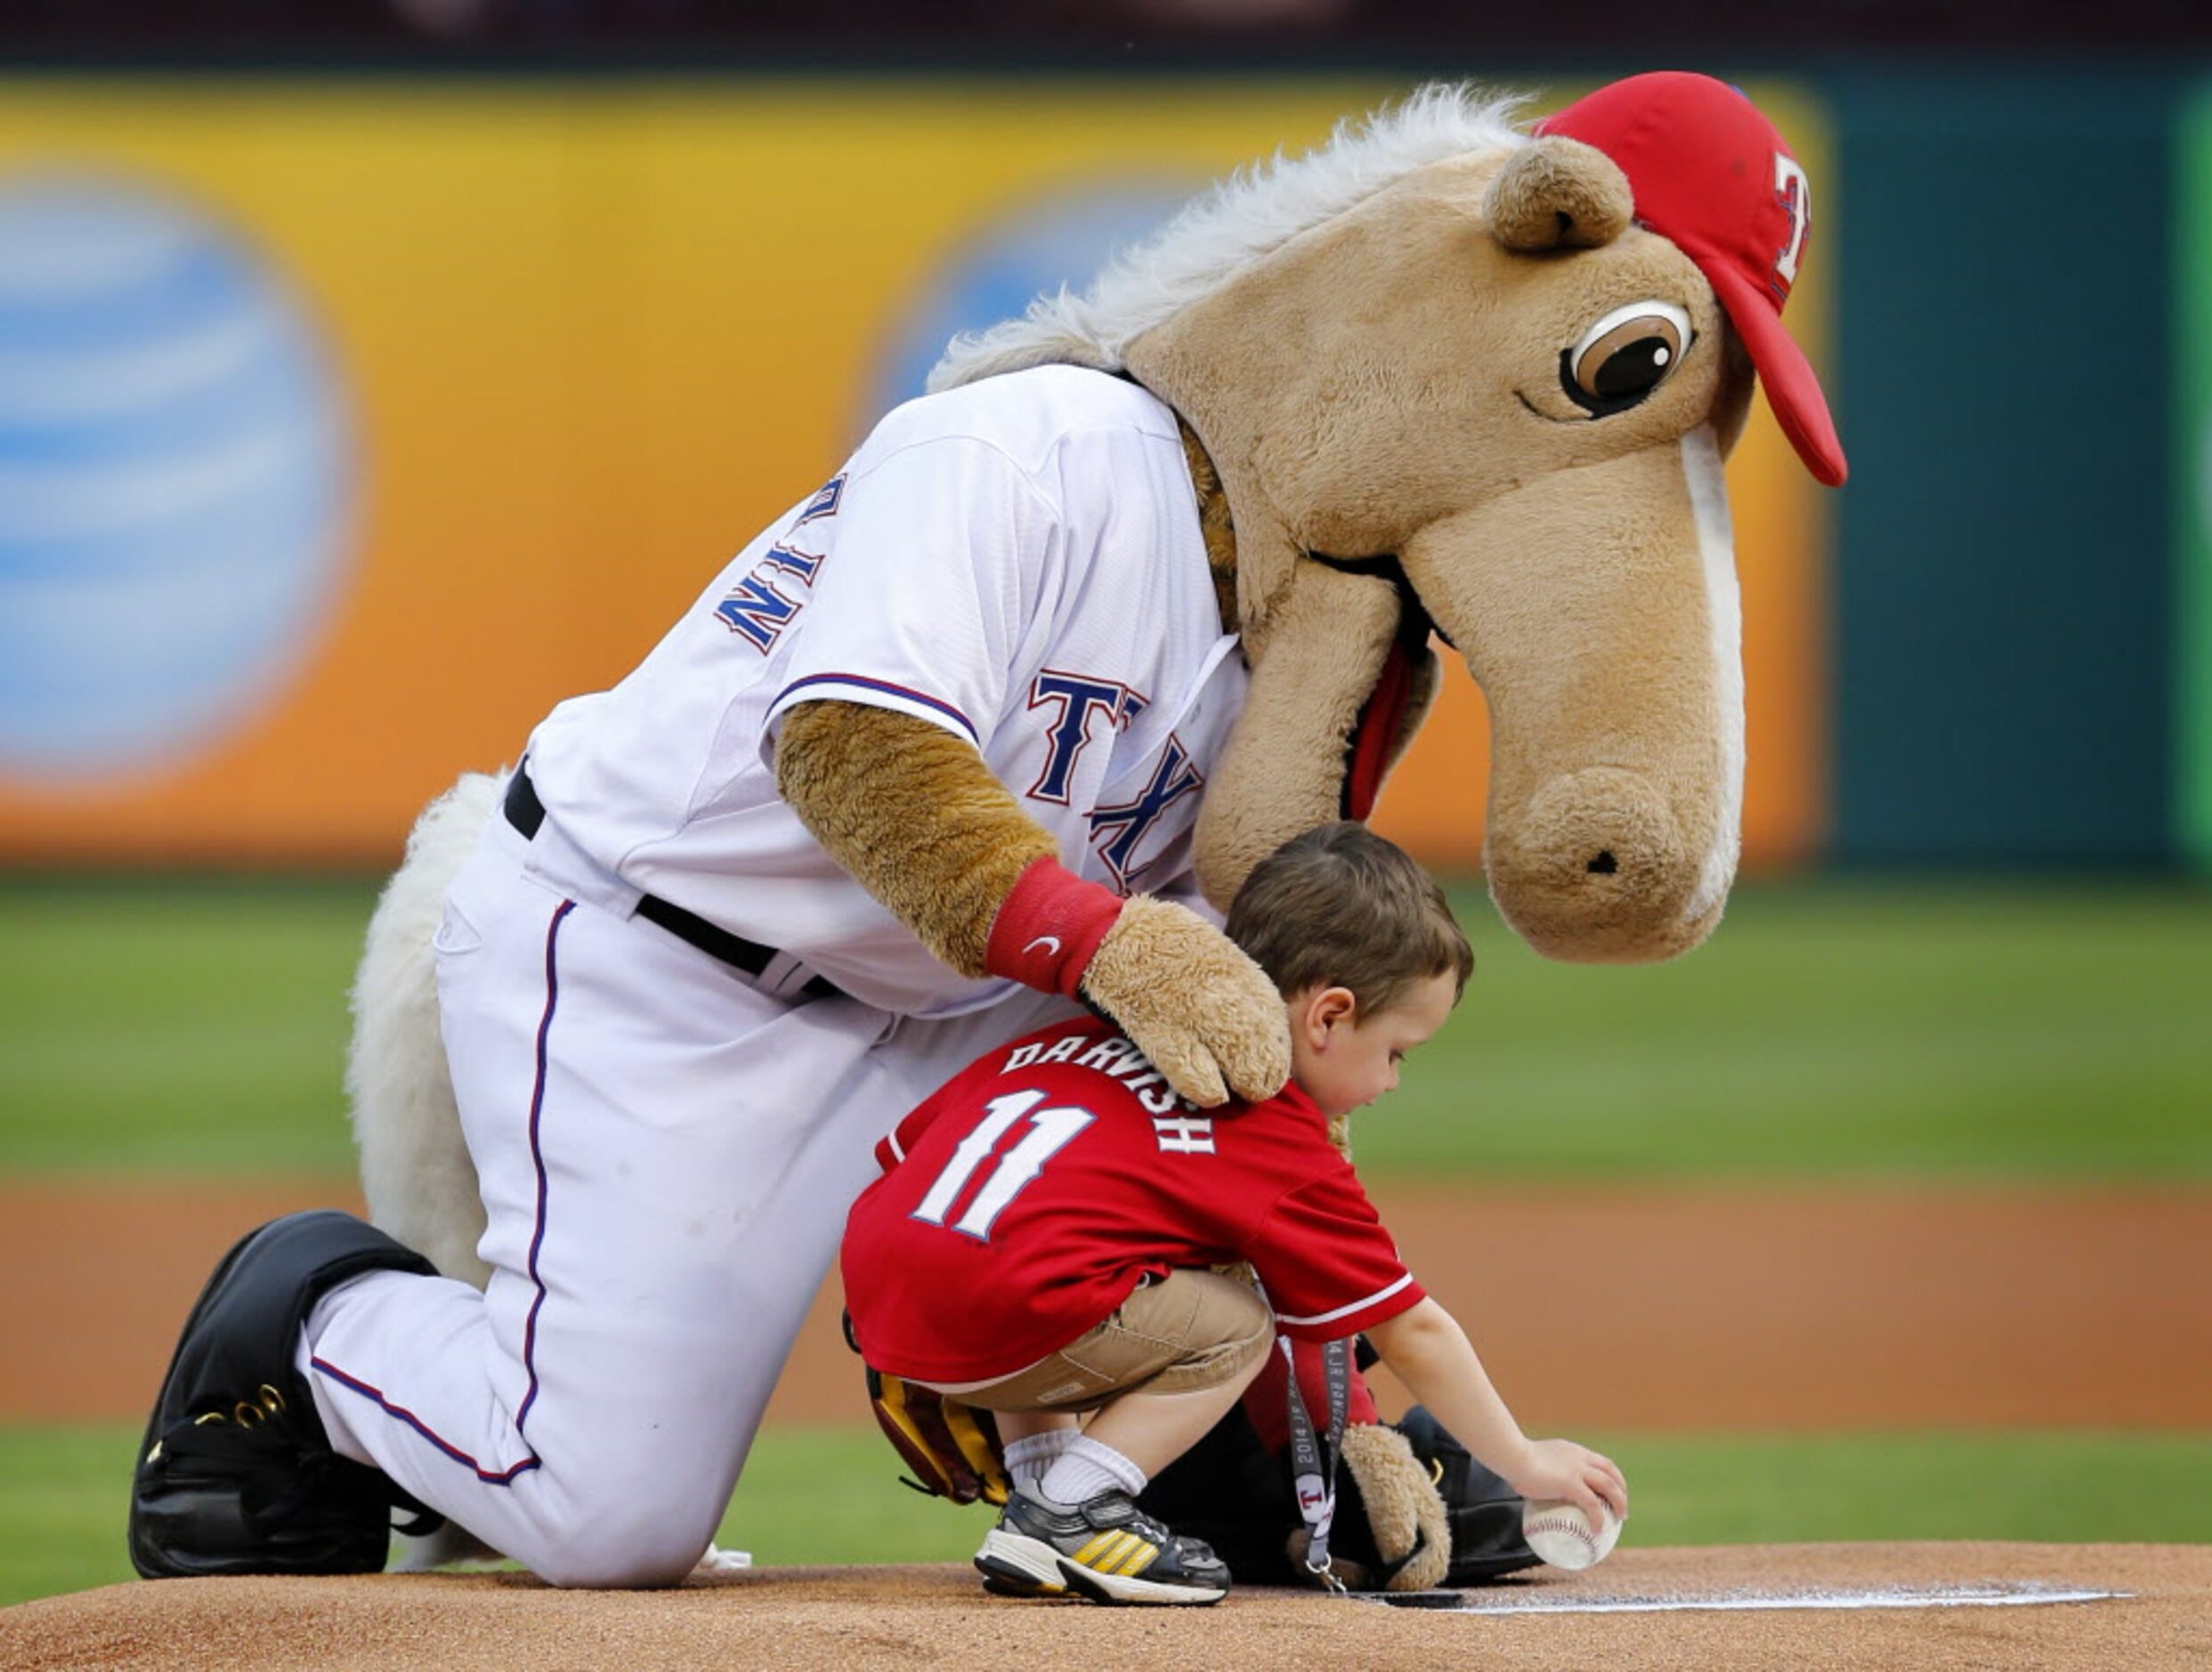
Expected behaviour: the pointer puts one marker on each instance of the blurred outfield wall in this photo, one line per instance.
(353, 423)
(347, 422)
(2192, 482)
(2008, 656)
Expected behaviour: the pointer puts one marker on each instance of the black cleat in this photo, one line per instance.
(1104, 1549)
(236, 1475)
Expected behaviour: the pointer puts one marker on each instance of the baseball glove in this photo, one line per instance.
(952, 1448)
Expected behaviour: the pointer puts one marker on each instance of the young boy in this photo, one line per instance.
(1038, 1246)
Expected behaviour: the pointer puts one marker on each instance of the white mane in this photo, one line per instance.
(1239, 221)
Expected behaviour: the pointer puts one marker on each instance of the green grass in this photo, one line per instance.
(189, 1026)
(795, 1504)
(1830, 1029)
(830, 1496)
(1834, 1029)
(64, 1495)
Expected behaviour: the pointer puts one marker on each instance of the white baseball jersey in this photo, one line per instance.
(1018, 562)
(665, 1151)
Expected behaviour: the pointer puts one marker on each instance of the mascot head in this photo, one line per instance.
(1456, 378)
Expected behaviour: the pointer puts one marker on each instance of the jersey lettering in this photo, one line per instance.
(1120, 831)
(1111, 1055)
(1188, 1135)
(791, 562)
(1794, 192)
(1074, 700)
(824, 503)
(756, 611)
(1051, 1131)
(1022, 1056)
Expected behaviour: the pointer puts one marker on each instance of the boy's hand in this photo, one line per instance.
(1560, 1468)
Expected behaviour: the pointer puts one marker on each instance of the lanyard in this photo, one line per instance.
(1313, 1473)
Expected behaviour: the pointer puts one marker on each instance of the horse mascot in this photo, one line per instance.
(985, 730)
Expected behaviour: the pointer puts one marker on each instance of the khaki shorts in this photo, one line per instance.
(1176, 1334)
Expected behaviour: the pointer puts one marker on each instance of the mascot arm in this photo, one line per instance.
(913, 814)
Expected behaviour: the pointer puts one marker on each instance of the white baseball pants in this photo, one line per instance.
(667, 1152)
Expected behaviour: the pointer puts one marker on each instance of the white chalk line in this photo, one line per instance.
(2011, 1596)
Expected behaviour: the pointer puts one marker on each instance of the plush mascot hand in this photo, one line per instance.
(1203, 1012)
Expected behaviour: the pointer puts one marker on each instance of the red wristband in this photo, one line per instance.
(1048, 927)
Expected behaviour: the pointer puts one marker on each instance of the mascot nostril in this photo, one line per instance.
(1595, 867)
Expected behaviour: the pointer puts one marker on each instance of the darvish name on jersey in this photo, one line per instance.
(1177, 1127)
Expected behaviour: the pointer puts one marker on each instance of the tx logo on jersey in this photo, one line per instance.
(761, 606)
(1120, 831)
(1075, 702)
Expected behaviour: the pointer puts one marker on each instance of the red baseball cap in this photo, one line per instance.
(1711, 174)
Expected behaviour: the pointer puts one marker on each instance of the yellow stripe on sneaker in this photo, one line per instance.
(1138, 1558)
(1087, 1555)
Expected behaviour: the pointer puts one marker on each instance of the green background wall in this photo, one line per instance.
(2004, 582)
(2192, 496)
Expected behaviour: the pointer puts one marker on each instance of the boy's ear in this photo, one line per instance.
(1331, 1006)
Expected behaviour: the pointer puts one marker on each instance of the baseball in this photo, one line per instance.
(1562, 1536)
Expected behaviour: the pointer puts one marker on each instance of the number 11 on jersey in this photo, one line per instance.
(1049, 1131)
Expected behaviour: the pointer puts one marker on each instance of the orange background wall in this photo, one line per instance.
(597, 336)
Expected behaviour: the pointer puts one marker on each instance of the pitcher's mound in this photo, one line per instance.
(1916, 1608)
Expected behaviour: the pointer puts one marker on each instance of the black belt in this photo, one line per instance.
(526, 813)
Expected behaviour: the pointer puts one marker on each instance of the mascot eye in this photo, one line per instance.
(1625, 356)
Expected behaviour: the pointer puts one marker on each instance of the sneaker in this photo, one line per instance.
(1105, 1549)
(999, 1585)
(236, 1473)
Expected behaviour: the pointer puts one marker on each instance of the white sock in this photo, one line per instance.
(1088, 1468)
(1028, 1459)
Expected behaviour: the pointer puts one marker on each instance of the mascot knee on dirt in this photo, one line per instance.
(1445, 378)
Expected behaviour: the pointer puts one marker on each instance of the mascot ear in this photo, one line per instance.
(1556, 193)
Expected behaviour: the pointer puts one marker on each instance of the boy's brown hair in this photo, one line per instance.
(1340, 906)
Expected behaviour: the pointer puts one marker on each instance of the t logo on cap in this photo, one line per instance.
(1796, 191)
(1711, 174)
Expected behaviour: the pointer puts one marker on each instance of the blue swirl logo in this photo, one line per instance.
(176, 478)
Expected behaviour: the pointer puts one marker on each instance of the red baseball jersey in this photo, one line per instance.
(1024, 1200)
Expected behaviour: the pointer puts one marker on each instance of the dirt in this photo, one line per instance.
(1842, 1605)
(1657, 1310)
(1690, 1308)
